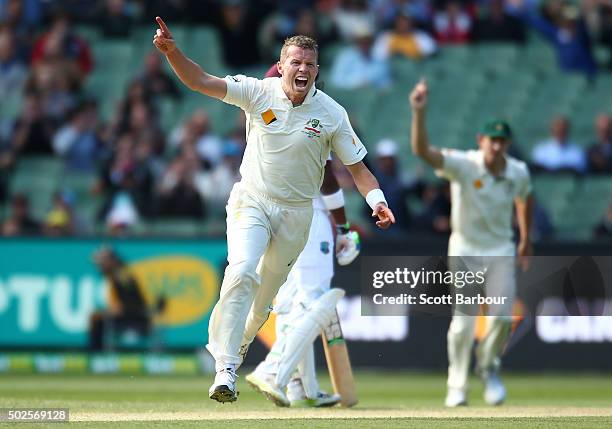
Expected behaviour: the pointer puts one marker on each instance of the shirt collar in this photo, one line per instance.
(484, 171)
(280, 93)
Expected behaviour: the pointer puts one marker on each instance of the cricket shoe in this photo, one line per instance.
(266, 385)
(455, 397)
(322, 400)
(495, 391)
(224, 387)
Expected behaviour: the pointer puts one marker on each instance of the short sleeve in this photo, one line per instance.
(346, 144)
(524, 184)
(242, 91)
(456, 164)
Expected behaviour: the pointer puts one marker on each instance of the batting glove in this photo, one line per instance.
(348, 244)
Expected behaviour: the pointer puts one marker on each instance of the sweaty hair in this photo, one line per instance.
(303, 42)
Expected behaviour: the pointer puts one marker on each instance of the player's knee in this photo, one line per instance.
(240, 273)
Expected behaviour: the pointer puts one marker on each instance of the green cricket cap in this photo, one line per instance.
(497, 128)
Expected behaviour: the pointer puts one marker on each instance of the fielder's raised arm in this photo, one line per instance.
(418, 135)
(190, 73)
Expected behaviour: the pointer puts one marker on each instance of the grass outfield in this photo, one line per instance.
(390, 400)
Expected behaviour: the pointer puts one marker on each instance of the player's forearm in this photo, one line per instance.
(420, 142)
(192, 75)
(524, 214)
(418, 133)
(365, 181)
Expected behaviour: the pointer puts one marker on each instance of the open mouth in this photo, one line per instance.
(301, 81)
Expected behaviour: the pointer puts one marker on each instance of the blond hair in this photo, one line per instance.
(300, 41)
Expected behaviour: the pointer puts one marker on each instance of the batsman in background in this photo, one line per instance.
(485, 185)
(291, 129)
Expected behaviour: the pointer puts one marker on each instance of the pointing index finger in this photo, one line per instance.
(163, 26)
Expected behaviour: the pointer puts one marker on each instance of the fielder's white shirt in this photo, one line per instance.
(287, 146)
(482, 204)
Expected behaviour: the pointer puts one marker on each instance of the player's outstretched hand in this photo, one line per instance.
(384, 215)
(418, 96)
(163, 38)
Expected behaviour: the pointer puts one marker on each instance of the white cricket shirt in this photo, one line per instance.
(482, 204)
(287, 146)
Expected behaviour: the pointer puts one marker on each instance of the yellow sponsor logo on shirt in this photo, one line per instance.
(268, 116)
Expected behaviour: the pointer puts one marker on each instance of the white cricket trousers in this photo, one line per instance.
(500, 280)
(264, 239)
(309, 279)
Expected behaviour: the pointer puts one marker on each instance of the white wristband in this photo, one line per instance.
(374, 197)
(334, 201)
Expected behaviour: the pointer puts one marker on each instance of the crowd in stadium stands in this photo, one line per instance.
(145, 174)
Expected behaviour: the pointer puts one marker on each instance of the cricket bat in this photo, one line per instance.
(338, 363)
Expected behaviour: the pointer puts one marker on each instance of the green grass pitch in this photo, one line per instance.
(387, 399)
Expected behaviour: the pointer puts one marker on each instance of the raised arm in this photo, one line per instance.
(418, 133)
(368, 187)
(190, 73)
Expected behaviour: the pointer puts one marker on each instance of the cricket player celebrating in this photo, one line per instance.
(290, 362)
(291, 129)
(484, 185)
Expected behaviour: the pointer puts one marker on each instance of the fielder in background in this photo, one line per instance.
(291, 129)
(485, 185)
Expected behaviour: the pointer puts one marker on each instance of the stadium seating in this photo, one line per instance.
(469, 84)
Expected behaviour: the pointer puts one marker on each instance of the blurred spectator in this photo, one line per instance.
(604, 228)
(215, 186)
(498, 26)
(127, 306)
(567, 34)
(13, 71)
(115, 20)
(127, 182)
(58, 221)
(387, 10)
(136, 95)
(238, 27)
(60, 42)
(404, 40)
(452, 24)
(598, 17)
(395, 186)
(171, 10)
(351, 16)
(142, 124)
(559, 153)
(7, 162)
(302, 21)
(122, 215)
(57, 83)
(356, 66)
(33, 132)
(177, 193)
(600, 151)
(20, 221)
(435, 215)
(24, 18)
(155, 80)
(197, 131)
(77, 141)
